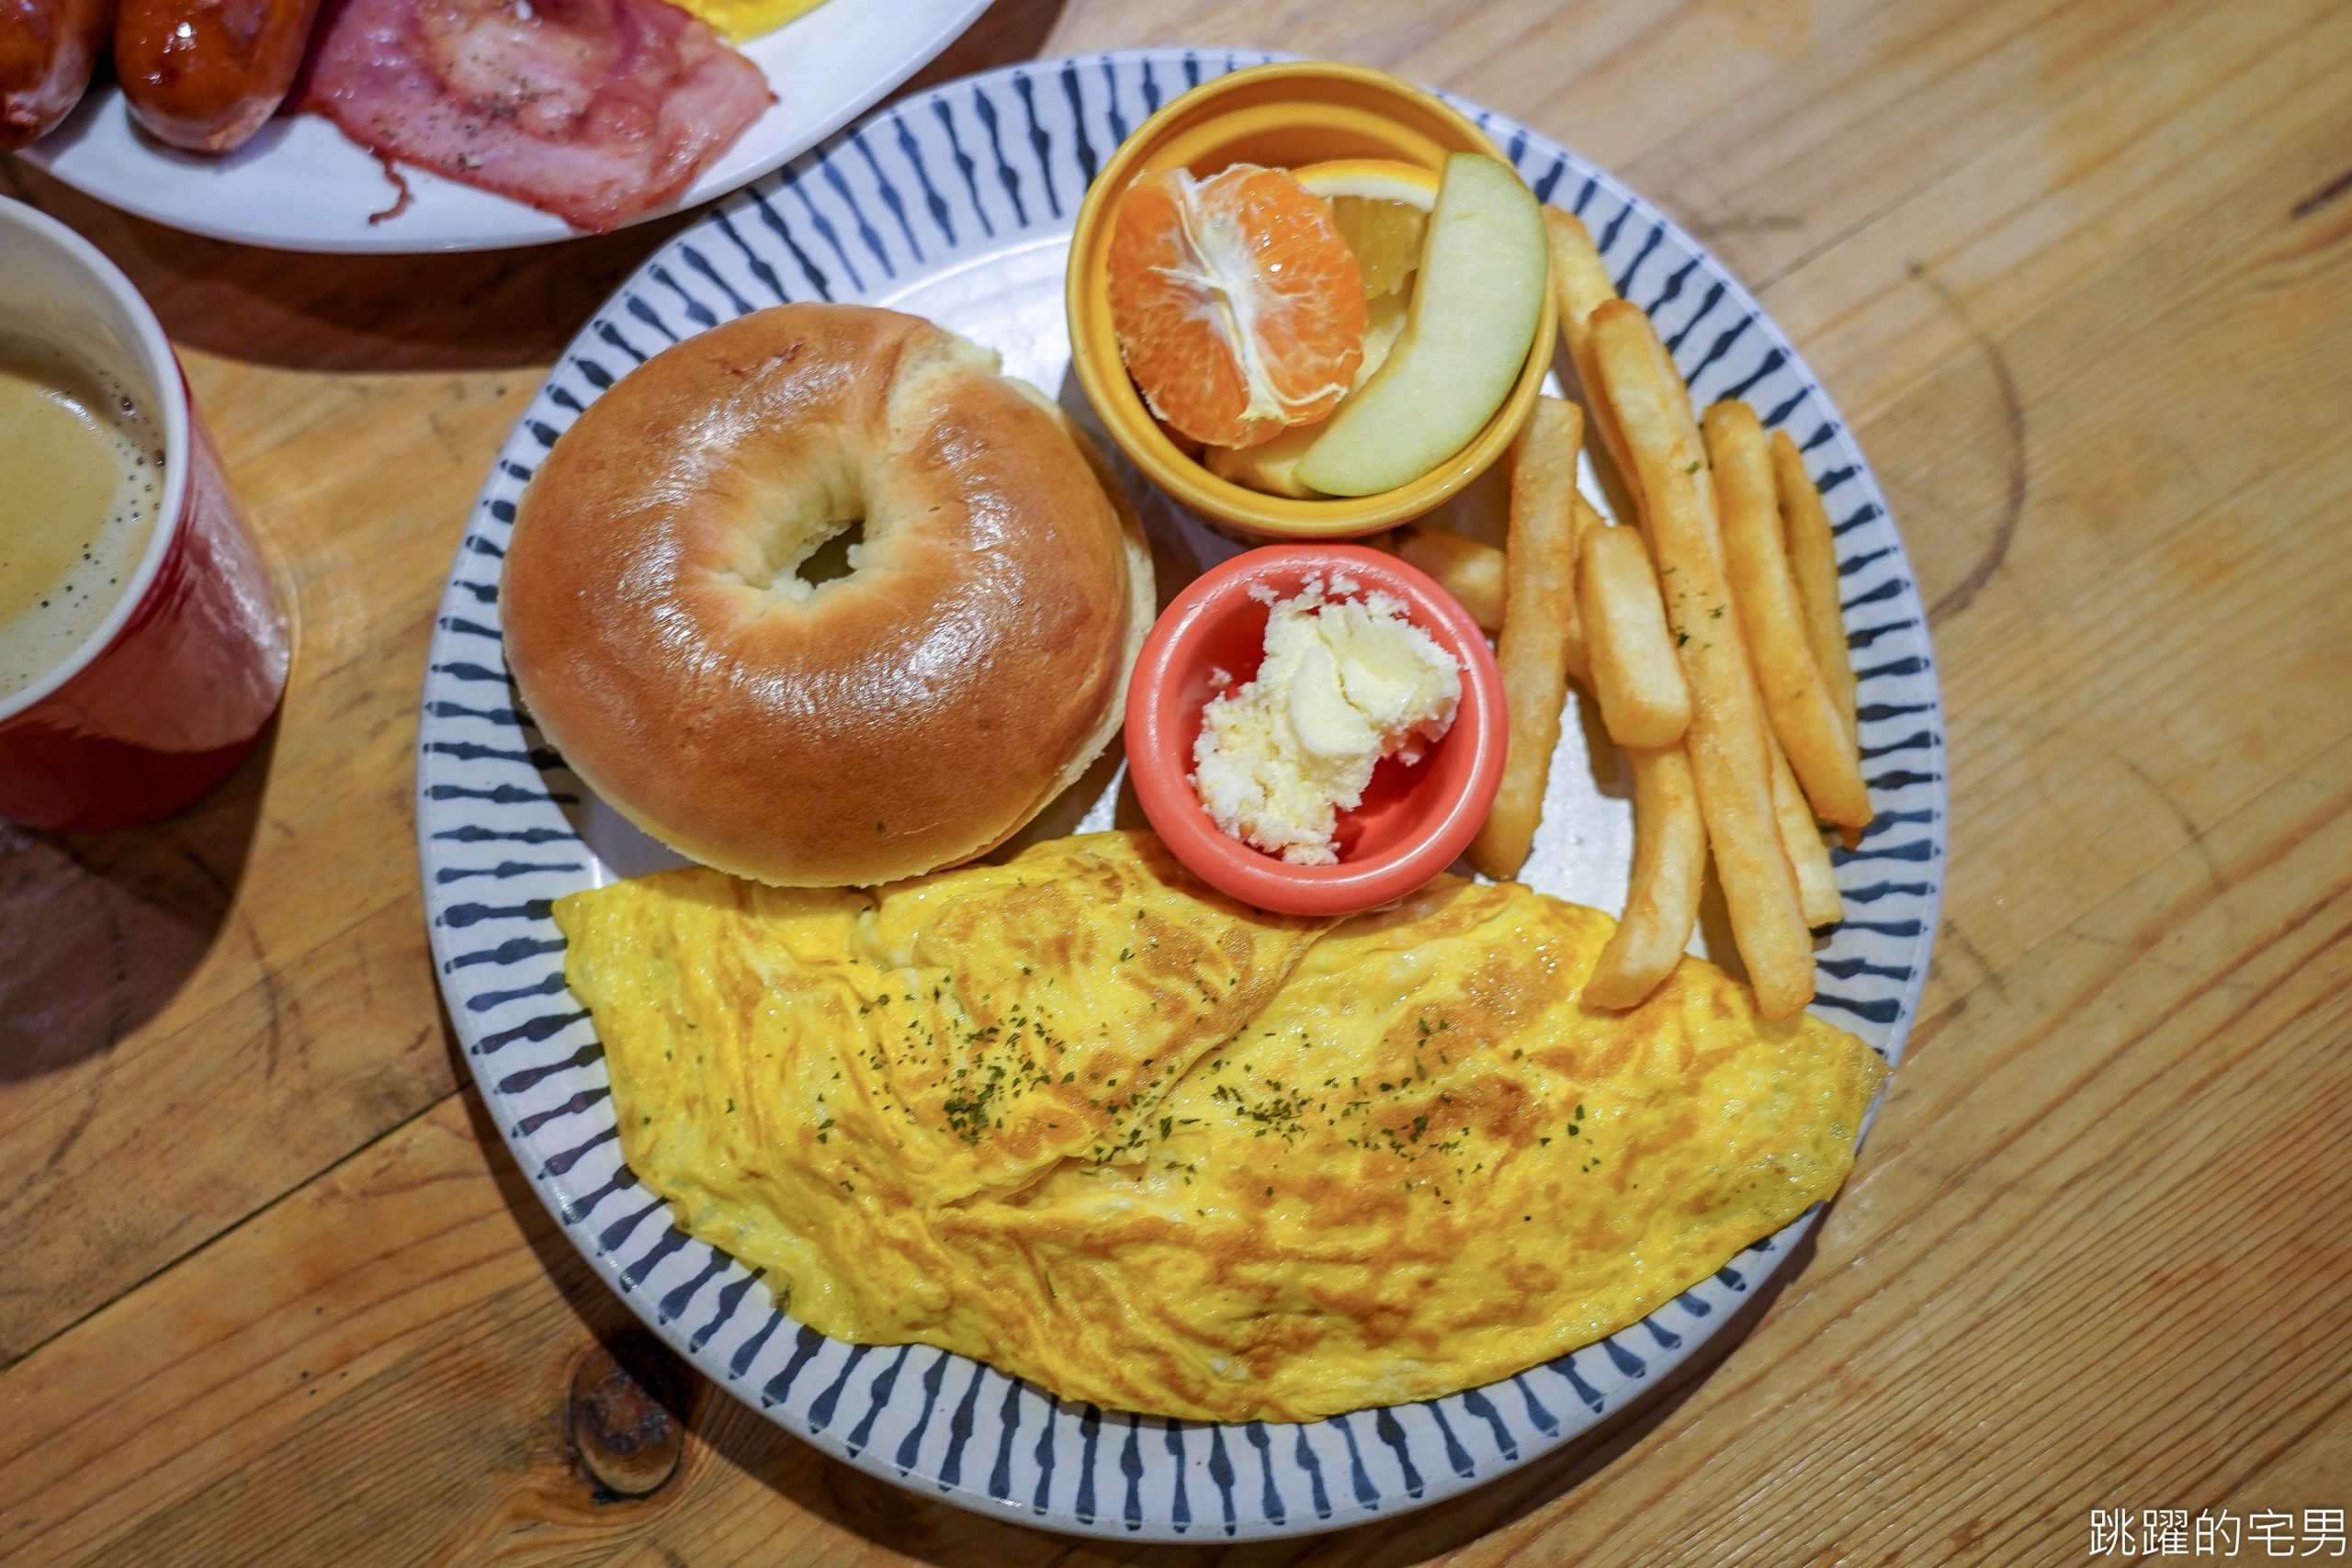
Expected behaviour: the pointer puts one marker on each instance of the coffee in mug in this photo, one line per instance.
(142, 646)
(85, 466)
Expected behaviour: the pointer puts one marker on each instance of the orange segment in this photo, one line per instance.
(1239, 306)
(1381, 209)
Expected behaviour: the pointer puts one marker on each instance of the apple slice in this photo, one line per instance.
(1473, 315)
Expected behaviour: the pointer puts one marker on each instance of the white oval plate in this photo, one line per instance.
(301, 185)
(957, 203)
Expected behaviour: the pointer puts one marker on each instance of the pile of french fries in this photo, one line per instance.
(1711, 636)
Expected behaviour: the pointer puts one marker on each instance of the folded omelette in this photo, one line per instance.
(1085, 1119)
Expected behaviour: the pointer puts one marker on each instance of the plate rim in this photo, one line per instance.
(1517, 141)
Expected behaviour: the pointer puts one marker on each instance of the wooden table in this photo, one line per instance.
(2080, 276)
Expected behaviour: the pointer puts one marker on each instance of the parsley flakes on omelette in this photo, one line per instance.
(1084, 1119)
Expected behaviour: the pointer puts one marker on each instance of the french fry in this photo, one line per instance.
(1670, 864)
(1580, 651)
(1580, 284)
(1764, 598)
(1579, 281)
(1539, 639)
(1644, 699)
(1808, 856)
(1728, 743)
(1813, 562)
(1469, 570)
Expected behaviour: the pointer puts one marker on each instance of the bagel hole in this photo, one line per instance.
(833, 558)
(797, 562)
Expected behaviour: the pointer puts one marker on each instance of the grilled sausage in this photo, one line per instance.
(205, 75)
(46, 51)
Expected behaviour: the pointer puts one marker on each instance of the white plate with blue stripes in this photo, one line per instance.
(957, 203)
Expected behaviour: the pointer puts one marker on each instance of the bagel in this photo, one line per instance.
(911, 715)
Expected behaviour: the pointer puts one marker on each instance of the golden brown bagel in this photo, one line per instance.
(911, 715)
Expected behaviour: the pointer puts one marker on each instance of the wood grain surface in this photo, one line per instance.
(2080, 276)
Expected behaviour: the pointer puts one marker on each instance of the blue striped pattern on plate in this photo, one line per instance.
(946, 180)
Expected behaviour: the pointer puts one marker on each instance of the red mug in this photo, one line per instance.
(170, 690)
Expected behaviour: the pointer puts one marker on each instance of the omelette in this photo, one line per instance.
(1085, 1119)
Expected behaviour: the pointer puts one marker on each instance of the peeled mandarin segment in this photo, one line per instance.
(1168, 328)
(1239, 306)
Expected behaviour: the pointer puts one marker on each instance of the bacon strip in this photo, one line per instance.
(595, 110)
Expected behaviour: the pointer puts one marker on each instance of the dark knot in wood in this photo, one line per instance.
(627, 1419)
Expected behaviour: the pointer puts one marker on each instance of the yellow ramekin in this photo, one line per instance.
(1286, 115)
